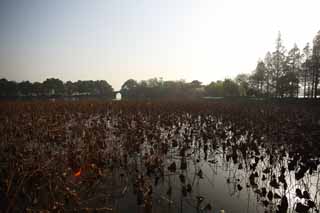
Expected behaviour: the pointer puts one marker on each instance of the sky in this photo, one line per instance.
(115, 40)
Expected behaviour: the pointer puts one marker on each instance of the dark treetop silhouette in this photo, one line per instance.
(279, 75)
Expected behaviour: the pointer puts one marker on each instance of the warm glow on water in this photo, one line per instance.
(78, 173)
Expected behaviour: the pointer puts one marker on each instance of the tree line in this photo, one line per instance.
(55, 87)
(158, 89)
(290, 73)
(280, 74)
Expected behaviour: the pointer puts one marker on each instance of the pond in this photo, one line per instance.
(184, 171)
(155, 157)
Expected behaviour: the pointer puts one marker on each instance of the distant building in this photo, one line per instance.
(118, 96)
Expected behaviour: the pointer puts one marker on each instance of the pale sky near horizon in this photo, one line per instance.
(115, 40)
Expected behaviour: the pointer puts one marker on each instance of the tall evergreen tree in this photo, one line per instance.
(278, 61)
(316, 64)
(305, 75)
(294, 67)
(269, 69)
(258, 77)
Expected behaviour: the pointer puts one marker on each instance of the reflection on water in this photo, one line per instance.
(213, 188)
(156, 159)
(192, 170)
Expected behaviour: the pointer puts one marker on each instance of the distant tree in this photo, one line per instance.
(25, 88)
(53, 86)
(243, 81)
(292, 72)
(316, 65)
(305, 71)
(82, 87)
(130, 89)
(215, 89)
(278, 61)
(3, 87)
(152, 89)
(155, 88)
(194, 89)
(70, 88)
(171, 90)
(104, 88)
(269, 73)
(195, 84)
(37, 89)
(230, 88)
(288, 85)
(8, 88)
(258, 77)
(86, 87)
(153, 82)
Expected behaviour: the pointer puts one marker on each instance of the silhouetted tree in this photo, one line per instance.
(53, 86)
(37, 89)
(85, 88)
(230, 88)
(282, 75)
(195, 84)
(306, 67)
(129, 90)
(243, 81)
(103, 88)
(25, 88)
(278, 61)
(70, 88)
(315, 64)
(269, 73)
(8, 88)
(294, 69)
(215, 89)
(258, 77)
(155, 88)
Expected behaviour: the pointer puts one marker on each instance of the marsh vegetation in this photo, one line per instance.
(193, 156)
